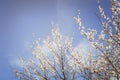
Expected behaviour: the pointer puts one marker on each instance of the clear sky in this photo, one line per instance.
(20, 18)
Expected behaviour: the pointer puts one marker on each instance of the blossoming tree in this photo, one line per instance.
(54, 60)
(107, 64)
(57, 59)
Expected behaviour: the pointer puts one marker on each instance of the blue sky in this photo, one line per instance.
(20, 18)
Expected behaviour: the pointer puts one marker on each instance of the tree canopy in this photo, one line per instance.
(57, 59)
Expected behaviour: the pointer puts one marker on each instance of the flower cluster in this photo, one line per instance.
(106, 65)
